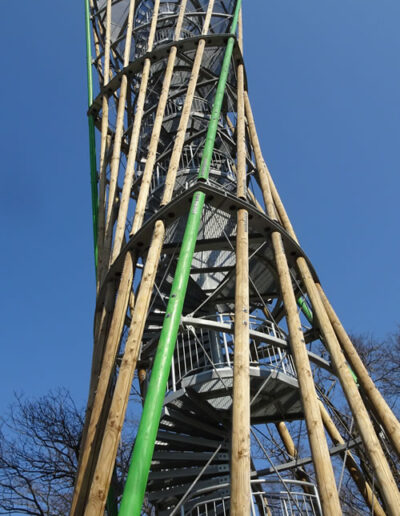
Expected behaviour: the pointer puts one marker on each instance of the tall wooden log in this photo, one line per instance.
(103, 146)
(122, 389)
(240, 463)
(94, 434)
(265, 176)
(318, 445)
(240, 452)
(373, 449)
(288, 442)
(380, 407)
(119, 130)
(351, 465)
(134, 140)
(183, 122)
(316, 436)
(109, 446)
(382, 410)
(152, 151)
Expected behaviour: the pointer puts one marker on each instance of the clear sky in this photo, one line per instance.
(324, 84)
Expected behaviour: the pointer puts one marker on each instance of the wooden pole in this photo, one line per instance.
(289, 228)
(319, 448)
(240, 454)
(152, 152)
(240, 460)
(269, 204)
(264, 175)
(240, 451)
(380, 407)
(287, 440)
(119, 129)
(96, 361)
(373, 449)
(122, 389)
(134, 141)
(95, 429)
(318, 445)
(103, 146)
(112, 433)
(351, 465)
(94, 412)
(180, 135)
(241, 137)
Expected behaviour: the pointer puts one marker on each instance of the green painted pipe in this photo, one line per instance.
(92, 140)
(305, 309)
(135, 486)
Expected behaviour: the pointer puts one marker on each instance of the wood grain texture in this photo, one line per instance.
(351, 465)
(380, 407)
(370, 440)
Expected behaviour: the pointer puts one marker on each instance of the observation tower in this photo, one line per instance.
(255, 400)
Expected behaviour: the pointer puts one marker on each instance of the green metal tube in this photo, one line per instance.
(219, 97)
(302, 303)
(135, 486)
(92, 140)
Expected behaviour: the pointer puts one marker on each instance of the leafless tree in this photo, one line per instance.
(40, 440)
(382, 359)
(39, 447)
(38, 455)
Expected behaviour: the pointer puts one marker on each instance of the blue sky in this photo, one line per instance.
(324, 85)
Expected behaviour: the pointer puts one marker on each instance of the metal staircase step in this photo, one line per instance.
(185, 459)
(185, 442)
(170, 495)
(204, 409)
(169, 477)
(191, 424)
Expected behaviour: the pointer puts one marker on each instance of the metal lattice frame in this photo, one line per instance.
(202, 287)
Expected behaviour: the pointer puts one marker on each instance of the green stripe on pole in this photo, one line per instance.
(135, 486)
(92, 140)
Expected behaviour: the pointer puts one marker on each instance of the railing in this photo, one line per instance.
(174, 107)
(221, 173)
(199, 105)
(145, 12)
(285, 498)
(167, 16)
(202, 348)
